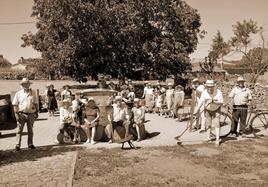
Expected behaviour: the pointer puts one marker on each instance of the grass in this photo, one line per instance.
(238, 163)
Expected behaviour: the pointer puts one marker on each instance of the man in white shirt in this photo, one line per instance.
(211, 100)
(241, 98)
(25, 108)
(118, 117)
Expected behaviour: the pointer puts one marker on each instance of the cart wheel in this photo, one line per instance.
(226, 122)
(260, 121)
(60, 138)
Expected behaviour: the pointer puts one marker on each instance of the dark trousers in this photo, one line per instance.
(29, 120)
(240, 112)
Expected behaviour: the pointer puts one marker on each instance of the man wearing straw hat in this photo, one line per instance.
(25, 108)
(211, 100)
(241, 98)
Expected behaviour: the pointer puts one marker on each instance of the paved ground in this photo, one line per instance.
(52, 165)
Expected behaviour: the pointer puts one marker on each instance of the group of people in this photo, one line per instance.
(167, 101)
(128, 111)
(207, 101)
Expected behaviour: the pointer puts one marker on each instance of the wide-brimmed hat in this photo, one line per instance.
(25, 81)
(195, 80)
(84, 101)
(240, 79)
(210, 83)
(146, 82)
(169, 84)
(90, 99)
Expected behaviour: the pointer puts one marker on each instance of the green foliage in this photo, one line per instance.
(219, 47)
(242, 32)
(121, 37)
(254, 58)
(257, 60)
(4, 63)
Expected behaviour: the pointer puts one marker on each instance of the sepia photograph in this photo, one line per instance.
(133, 93)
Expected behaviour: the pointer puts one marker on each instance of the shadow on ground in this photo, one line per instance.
(10, 156)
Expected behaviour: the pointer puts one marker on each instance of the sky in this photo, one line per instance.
(215, 15)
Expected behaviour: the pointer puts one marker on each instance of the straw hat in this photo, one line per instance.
(240, 79)
(210, 83)
(195, 80)
(25, 81)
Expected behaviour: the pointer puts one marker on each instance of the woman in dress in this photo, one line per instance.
(169, 100)
(51, 99)
(92, 115)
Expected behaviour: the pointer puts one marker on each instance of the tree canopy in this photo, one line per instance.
(4, 63)
(120, 37)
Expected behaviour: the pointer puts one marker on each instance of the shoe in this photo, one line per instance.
(208, 139)
(233, 135)
(194, 129)
(88, 141)
(138, 140)
(17, 148)
(93, 142)
(31, 147)
(110, 141)
(202, 131)
(217, 143)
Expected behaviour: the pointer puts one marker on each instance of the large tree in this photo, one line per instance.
(119, 37)
(219, 47)
(255, 59)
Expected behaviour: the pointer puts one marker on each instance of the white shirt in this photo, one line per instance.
(75, 105)
(149, 91)
(119, 113)
(240, 96)
(65, 113)
(26, 101)
(169, 92)
(206, 98)
(200, 88)
(66, 93)
(159, 101)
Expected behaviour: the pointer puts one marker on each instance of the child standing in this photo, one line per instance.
(158, 102)
(139, 115)
(178, 102)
